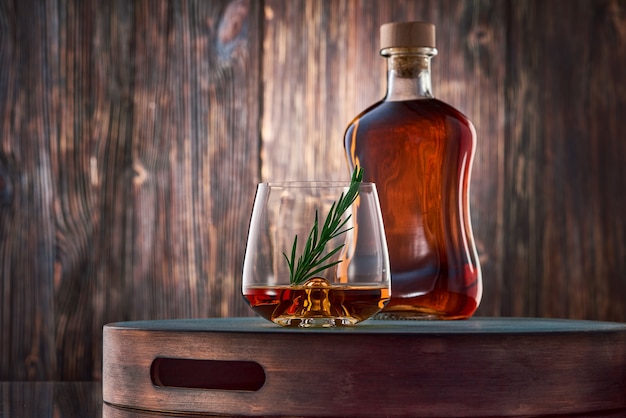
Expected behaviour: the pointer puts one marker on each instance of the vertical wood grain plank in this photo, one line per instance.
(234, 159)
(75, 98)
(603, 146)
(522, 213)
(27, 230)
(111, 254)
(563, 245)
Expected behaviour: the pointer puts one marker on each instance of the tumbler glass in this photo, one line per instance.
(316, 254)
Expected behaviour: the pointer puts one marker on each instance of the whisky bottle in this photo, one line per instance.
(419, 152)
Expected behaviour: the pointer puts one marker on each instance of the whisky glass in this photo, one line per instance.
(343, 277)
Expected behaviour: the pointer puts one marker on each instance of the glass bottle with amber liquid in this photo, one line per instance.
(419, 152)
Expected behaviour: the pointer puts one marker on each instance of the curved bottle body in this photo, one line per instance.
(419, 153)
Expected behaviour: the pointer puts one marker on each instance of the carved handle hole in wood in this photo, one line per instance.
(207, 374)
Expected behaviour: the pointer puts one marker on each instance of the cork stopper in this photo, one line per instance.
(407, 35)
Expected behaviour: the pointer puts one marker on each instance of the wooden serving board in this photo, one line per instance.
(474, 368)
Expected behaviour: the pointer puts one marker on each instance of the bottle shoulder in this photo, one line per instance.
(430, 106)
(410, 112)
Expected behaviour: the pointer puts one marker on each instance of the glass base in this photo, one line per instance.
(315, 322)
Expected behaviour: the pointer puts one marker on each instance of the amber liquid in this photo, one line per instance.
(316, 303)
(419, 154)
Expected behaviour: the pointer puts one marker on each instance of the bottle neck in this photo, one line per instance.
(408, 73)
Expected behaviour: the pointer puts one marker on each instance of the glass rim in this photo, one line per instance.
(310, 184)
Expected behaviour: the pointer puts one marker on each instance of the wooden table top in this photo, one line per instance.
(601, 355)
(473, 326)
(474, 368)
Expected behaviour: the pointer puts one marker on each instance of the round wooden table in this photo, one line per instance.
(474, 368)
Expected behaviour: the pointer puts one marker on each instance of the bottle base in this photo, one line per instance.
(424, 315)
(431, 306)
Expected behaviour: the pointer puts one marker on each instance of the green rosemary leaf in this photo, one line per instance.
(330, 254)
(290, 262)
(326, 226)
(311, 260)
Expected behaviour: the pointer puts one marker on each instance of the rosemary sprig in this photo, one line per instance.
(311, 261)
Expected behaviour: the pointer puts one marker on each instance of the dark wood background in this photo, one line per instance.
(133, 133)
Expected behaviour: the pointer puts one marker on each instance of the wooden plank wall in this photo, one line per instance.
(133, 133)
